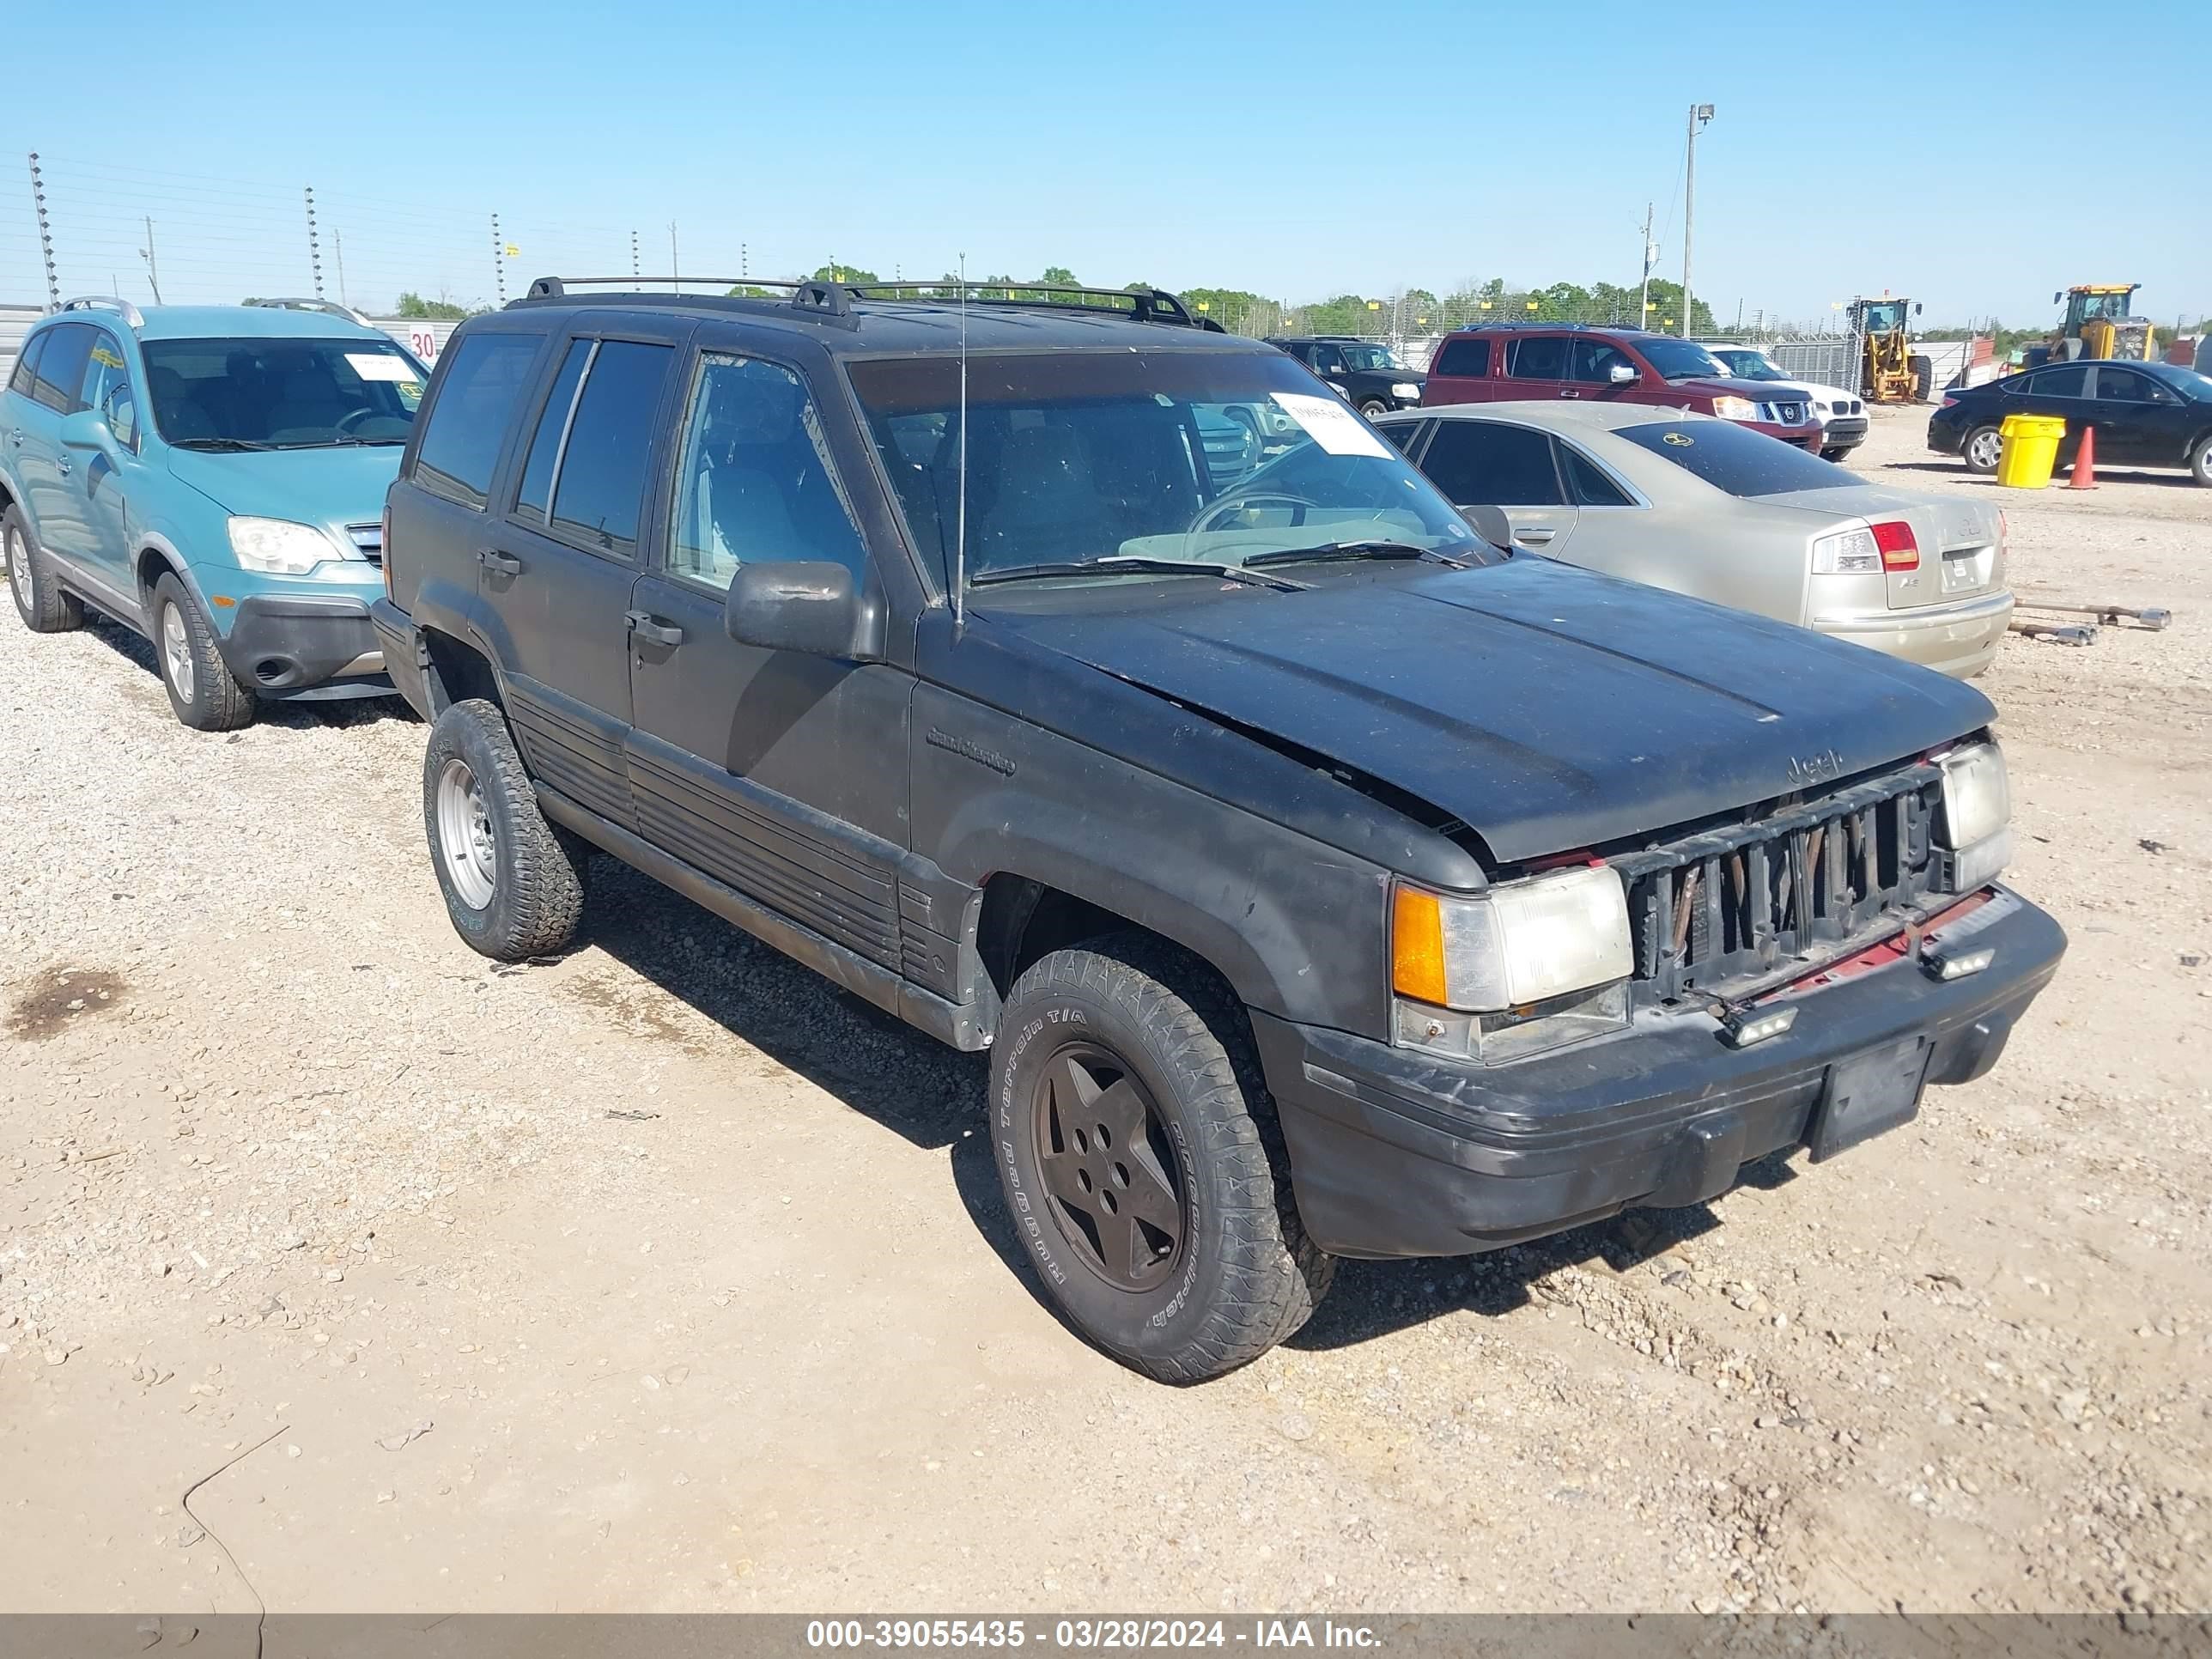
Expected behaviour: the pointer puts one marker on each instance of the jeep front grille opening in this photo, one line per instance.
(1741, 902)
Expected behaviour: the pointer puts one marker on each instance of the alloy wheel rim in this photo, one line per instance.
(465, 846)
(1109, 1169)
(19, 566)
(1986, 447)
(177, 651)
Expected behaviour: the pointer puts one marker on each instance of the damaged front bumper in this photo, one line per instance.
(1394, 1153)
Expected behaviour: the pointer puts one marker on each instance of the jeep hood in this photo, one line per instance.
(1545, 707)
(341, 483)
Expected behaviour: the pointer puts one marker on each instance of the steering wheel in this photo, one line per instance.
(1299, 507)
(345, 423)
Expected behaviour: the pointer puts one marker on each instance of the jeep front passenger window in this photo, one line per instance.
(754, 484)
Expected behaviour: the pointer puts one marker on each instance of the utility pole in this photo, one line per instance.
(498, 259)
(1700, 114)
(337, 244)
(314, 246)
(1643, 295)
(153, 269)
(46, 234)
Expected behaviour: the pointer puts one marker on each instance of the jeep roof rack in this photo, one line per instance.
(835, 299)
(329, 307)
(132, 317)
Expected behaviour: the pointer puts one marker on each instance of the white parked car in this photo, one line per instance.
(1843, 413)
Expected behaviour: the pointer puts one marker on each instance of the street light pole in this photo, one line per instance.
(1700, 114)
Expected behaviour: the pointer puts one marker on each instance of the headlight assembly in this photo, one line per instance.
(278, 547)
(1976, 823)
(1736, 409)
(1525, 966)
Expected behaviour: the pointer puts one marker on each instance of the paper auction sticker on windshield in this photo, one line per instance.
(1331, 425)
(381, 366)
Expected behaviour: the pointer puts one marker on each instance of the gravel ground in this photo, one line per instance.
(666, 1276)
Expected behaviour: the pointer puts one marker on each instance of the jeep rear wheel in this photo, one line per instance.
(513, 883)
(40, 600)
(1141, 1160)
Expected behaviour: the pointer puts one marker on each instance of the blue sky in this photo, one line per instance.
(1298, 149)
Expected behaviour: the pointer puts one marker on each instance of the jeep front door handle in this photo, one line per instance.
(505, 563)
(61, 465)
(646, 626)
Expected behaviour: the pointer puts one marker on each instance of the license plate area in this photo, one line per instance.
(1965, 571)
(1870, 1093)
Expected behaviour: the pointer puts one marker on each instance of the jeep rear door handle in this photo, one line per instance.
(646, 626)
(505, 563)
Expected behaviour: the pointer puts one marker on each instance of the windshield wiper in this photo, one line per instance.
(1341, 551)
(217, 444)
(1120, 564)
(342, 442)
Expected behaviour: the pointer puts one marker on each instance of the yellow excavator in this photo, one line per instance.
(2098, 324)
(1889, 372)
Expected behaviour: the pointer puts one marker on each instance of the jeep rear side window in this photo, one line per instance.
(552, 426)
(1470, 358)
(599, 486)
(1544, 358)
(754, 485)
(460, 446)
(1483, 464)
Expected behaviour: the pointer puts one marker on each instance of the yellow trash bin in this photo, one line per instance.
(2030, 450)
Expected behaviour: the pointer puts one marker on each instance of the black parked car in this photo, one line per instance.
(1324, 879)
(2146, 415)
(1369, 375)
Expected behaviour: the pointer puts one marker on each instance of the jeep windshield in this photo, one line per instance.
(1681, 360)
(1203, 457)
(281, 393)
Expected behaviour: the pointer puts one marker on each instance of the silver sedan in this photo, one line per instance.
(1707, 507)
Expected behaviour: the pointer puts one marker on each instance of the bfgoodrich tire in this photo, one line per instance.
(40, 600)
(202, 691)
(513, 883)
(1982, 448)
(1141, 1160)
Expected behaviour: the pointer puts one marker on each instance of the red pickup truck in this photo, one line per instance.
(1514, 361)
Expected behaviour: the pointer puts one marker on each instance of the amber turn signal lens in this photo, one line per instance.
(1417, 945)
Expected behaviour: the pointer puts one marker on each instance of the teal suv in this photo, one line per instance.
(214, 477)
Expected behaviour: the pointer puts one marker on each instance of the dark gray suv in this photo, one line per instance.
(1075, 681)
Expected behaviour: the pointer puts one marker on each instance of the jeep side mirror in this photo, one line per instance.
(808, 605)
(1622, 374)
(86, 429)
(1491, 524)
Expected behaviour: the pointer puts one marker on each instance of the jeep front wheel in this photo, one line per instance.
(1142, 1163)
(513, 883)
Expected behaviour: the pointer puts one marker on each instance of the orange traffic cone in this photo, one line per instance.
(2085, 462)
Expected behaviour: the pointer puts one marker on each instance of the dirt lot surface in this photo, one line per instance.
(665, 1276)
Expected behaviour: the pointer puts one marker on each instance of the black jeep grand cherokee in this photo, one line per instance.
(1324, 880)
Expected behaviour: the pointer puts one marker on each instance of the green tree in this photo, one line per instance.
(1058, 276)
(837, 273)
(411, 304)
